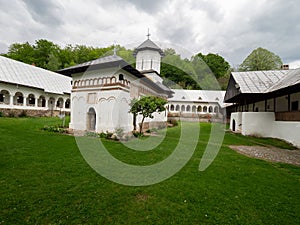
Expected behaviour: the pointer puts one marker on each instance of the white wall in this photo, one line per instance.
(264, 124)
(144, 58)
(237, 117)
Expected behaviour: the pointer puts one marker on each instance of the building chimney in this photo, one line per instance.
(285, 67)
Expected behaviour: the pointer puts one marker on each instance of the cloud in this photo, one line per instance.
(47, 12)
(230, 28)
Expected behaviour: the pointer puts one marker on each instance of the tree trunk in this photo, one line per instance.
(134, 121)
(141, 127)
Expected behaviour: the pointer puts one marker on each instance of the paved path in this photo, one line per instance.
(270, 154)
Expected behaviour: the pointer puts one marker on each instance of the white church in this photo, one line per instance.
(102, 90)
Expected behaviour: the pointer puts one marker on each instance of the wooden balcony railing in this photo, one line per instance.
(287, 116)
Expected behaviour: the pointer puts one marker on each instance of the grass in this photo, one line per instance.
(45, 180)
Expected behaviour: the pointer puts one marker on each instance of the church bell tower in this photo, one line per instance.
(148, 56)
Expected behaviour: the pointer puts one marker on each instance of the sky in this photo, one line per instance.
(230, 28)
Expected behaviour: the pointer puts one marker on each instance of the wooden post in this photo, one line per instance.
(266, 102)
(289, 102)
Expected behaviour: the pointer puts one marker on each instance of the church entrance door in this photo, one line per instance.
(91, 119)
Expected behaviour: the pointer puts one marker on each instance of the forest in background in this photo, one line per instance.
(208, 72)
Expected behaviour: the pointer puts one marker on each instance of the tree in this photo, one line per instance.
(21, 52)
(146, 106)
(43, 49)
(218, 65)
(261, 59)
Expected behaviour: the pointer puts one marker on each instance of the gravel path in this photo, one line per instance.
(270, 154)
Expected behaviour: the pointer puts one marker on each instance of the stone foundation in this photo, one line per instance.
(151, 125)
(30, 113)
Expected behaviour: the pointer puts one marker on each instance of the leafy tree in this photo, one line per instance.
(218, 65)
(178, 71)
(21, 52)
(261, 59)
(145, 107)
(42, 51)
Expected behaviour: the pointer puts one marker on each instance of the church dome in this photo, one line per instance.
(148, 45)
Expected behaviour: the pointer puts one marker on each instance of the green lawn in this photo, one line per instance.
(45, 180)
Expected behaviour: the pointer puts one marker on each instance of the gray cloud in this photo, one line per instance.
(47, 12)
(151, 7)
(230, 28)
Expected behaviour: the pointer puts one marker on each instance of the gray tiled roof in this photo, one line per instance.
(198, 96)
(99, 61)
(12, 71)
(148, 44)
(290, 79)
(258, 81)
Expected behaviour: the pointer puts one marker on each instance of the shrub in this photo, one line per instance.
(1, 114)
(173, 122)
(119, 132)
(109, 135)
(55, 129)
(102, 135)
(90, 134)
(137, 134)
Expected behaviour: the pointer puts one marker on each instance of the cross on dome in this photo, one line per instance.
(148, 35)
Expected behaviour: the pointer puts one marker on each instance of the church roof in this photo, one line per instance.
(148, 45)
(113, 61)
(210, 96)
(104, 61)
(15, 72)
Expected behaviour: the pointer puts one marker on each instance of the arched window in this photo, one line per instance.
(121, 77)
(177, 108)
(216, 109)
(60, 103)
(199, 109)
(41, 101)
(67, 103)
(4, 97)
(210, 109)
(51, 103)
(31, 100)
(18, 98)
(182, 108)
(194, 108)
(205, 109)
(188, 108)
(172, 108)
(113, 80)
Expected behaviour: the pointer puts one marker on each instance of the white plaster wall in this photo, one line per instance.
(264, 124)
(237, 116)
(287, 130)
(257, 123)
(143, 60)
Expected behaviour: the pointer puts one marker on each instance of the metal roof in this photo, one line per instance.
(114, 61)
(15, 72)
(148, 44)
(100, 61)
(181, 95)
(290, 79)
(257, 81)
